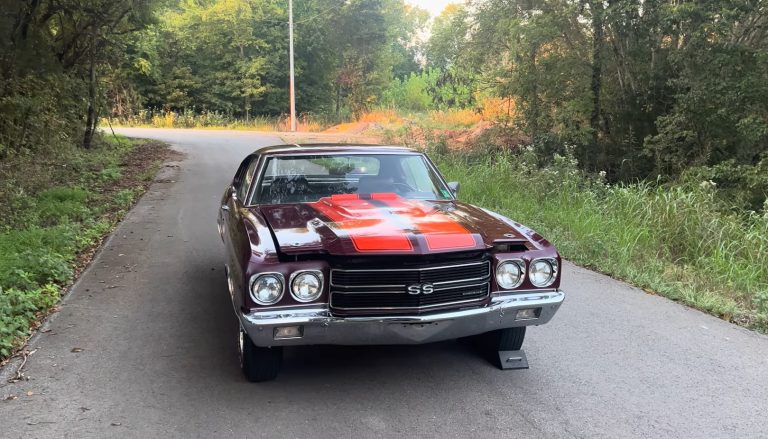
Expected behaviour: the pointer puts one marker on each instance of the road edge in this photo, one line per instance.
(169, 169)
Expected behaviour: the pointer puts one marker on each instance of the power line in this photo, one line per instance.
(320, 14)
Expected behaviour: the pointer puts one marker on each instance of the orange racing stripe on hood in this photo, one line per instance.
(440, 231)
(368, 226)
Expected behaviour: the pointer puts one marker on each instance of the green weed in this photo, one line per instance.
(110, 174)
(18, 308)
(665, 238)
(62, 204)
(124, 198)
(50, 210)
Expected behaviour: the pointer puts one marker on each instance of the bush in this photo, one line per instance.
(669, 238)
(62, 204)
(738, 187)
(18, 308)
(409, 94)
(36, 256)
(190, 118)
(51, 209)
(124, 198)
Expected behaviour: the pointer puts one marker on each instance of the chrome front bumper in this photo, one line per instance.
(319, 327)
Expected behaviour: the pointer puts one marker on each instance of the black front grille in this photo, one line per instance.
(407, 276)
(380, 291)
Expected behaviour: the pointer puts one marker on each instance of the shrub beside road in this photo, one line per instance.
(677, 240)
(54, 211)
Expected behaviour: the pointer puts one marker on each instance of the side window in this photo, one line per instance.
(246, 180)
(241, 171)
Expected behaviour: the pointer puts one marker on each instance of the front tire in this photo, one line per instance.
(258, 363)
(508, 339)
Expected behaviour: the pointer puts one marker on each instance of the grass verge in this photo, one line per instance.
(668, 240)
(54, 212)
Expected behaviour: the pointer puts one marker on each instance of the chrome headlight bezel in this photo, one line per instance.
(256, 277)
(553, 276)
(520, 265)
(317, 274)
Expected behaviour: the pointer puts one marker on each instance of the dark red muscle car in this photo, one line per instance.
(365, 245)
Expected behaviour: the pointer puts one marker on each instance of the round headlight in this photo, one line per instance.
(510, 274)
(267, 289)
(543, 272)
(306, 286)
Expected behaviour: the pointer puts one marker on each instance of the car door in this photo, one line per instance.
(223, 216)
(231, 219)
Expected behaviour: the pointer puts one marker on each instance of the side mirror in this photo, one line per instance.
(454, 187)
(233, 192)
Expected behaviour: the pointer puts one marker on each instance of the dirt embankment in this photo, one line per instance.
(408, 133)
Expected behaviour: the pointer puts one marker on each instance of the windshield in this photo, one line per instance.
(301, 179)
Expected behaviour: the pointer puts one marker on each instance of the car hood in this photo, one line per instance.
(387, 224)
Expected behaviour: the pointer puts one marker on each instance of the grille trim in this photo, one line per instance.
(419, 270)
(401, 292)
(355, 295)
(439, 267)
(422, 307)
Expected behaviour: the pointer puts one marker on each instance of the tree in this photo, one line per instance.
(63, 44)
(449, 55)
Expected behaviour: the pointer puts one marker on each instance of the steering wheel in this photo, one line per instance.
(298, 185)
(402, 188)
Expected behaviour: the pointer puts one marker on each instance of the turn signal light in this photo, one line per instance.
(527, 314)
(285, 332)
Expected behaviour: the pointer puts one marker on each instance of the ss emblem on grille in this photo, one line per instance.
(417, 289)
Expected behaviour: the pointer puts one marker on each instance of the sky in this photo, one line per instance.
(435, 7)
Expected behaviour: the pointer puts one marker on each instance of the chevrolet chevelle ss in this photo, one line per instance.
(368, 245)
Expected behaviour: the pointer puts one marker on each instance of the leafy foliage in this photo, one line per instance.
(641, 88)
(52, 55)
(50, 212)
(232, 57)
(667, 238)
(18, 308)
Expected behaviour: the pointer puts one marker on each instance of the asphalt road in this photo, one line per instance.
(156, 332)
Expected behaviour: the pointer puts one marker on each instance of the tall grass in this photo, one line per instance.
(218, 120)
(666, 239)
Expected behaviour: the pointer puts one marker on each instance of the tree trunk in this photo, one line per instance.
(597, 67)
(338, 101)
(534, 120)
(247, 97)
(90, 121)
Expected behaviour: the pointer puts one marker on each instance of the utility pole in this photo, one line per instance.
(292, 85)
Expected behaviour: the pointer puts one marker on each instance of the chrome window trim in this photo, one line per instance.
(320, 276)
(439, 176)
(255, 277)
(264, 158)
(523, 268)
(255, 182)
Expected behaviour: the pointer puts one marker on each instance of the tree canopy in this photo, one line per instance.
(639, 88)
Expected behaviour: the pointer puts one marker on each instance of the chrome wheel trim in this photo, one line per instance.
(240, 347)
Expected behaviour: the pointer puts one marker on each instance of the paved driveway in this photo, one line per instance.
(158, 358)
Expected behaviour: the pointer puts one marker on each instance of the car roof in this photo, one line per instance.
(313, 148)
